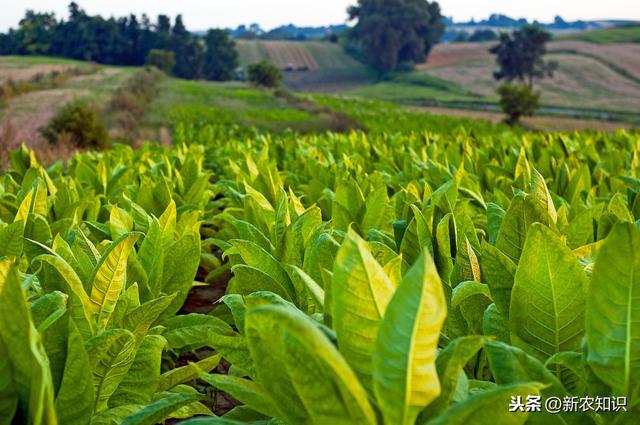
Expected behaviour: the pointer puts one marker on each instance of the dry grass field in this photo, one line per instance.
(590, 75)
(622, 56)
(22, 116)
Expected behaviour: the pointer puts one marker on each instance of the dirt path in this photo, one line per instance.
(23, 116)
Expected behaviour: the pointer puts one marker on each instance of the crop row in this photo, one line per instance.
(375, 279)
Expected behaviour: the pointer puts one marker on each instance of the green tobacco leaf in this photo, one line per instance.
(245, 391)
(613, 311)
(73, 282)
(193, 331)
(254, 256)
(548, 297)
(450, 364)
(152, 255)
(521, 215)
(489, 407)
(236, 304)
(315, 291)
(511, 365)
(25, 208)
(109, 277)
(161, 409)
(495, 215)
(8, 394)
(235, 350)
(28, 364)
(404, 359)
(111, 353)
(141, 381)
(541, 195)
(302, 369)
(347, 205)
(495, 324)
(11, 239)
(498, 272)
(120, 222)
(140, 319)
(74, 400)
(360, 293)
(247, 280)
(187, 373)
(180, 268)
(377, 214)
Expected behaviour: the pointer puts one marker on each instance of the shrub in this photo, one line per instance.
(129, 104)
(80, 123)
(518, 100)
(164, 60)
(265, 74)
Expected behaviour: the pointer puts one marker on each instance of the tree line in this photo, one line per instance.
(123, 41)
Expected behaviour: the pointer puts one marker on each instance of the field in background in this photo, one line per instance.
(19, 68)
(22, 116)
(626, 34)
(447, 80)
(593, 81)
(601, 81)
(327, 68)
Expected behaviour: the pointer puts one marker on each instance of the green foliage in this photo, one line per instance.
(265, 74)
(517, 101)
(129, 103)
(79, 122)
(620, 34)
(398, 32)
(129, 40)
(221, 56)
(164, 60)
(520, 55)
(381, 278)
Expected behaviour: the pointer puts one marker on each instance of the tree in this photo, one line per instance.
(221, 56)
(518, 100)
(483, 35)
(189, 58)
(188, 51)
(391, 32)
(35, 33)
(520, 55)
(164, 60)
(265, 74)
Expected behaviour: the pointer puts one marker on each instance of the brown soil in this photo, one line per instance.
(20, 73)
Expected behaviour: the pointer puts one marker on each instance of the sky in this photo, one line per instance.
(203, 14)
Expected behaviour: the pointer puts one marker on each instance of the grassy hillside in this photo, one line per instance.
(328, 67)
(592, 80)
(191, 106)
(236, 106)
(624, 34)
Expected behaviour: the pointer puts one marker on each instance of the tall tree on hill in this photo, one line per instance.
(221, 56)
(520, 55)
(35, 33)
(394, 32)
(188, 51)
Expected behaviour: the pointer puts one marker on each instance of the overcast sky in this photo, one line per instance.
(271, 13)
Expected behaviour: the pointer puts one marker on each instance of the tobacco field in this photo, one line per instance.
(375, 278)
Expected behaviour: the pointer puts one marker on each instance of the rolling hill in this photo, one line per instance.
(313, 65)
(622, 34)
